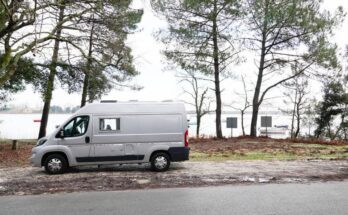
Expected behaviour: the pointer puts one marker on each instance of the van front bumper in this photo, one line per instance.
(179, 153)
(35, 158)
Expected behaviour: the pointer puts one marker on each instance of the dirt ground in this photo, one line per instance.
(14, 158)
(251, 144)
(29, 180)
(212, 162)
(218, 150)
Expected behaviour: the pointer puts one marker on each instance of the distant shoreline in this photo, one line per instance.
(188, 112)
(29, 113)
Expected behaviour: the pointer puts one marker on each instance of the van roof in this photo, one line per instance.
(133, 107)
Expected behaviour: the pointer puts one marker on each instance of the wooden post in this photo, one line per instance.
(14, 144)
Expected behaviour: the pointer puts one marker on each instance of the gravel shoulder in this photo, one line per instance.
(29, 180)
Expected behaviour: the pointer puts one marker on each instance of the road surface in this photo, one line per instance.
(318, 198)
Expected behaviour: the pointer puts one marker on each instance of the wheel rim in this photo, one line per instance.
(160, 162)
(54, 165)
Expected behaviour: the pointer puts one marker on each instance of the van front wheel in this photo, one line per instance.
(160, 162)
(55, 164)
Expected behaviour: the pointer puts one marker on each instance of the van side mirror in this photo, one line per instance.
(61, 133)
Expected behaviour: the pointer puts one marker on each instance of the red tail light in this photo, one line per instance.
(186, 138)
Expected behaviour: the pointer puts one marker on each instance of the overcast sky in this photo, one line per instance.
(159, 84)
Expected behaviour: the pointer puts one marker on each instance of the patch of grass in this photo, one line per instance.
(306, 145)
(332, 156)
(254, 155)
(270, 150)
(22, 141)
(321, 147)
(261, 155)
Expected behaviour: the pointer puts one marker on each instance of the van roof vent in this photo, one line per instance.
(168, 100)
(108, 101)
(133, 100)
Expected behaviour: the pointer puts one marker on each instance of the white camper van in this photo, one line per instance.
(117, 133)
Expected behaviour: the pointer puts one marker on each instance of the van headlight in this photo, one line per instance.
(41, 142)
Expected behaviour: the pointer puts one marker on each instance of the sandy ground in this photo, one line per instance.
(30, 180)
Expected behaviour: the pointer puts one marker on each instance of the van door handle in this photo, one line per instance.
(87, 139)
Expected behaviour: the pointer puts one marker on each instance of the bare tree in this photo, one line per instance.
(246, 104)
(309, 115)
(199, 96)
(296, 96)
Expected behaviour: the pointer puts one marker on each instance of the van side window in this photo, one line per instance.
(76, 127)
(109, 124)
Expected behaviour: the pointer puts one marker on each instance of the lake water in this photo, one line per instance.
(208, 124)
(22, 126)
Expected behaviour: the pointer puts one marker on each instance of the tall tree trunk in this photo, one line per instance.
(345, 127)
(242, 121)
(53, 71)
(256, 102)
(198, 119)
(297, 132)
(292, 133)
(309, 130)
(217, 76)
(88, 68)
(85, 89)
(298, 115)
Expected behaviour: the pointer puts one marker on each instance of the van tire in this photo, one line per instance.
(55, 164)
(160, 162)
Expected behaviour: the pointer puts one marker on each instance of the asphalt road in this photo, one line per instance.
(319, 198)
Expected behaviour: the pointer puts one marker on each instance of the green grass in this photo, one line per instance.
(260, 155)
(333, 156)
(24, 141)
(254, 155)
(319, 146)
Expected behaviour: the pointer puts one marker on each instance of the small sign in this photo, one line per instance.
(231, 122)
(266, 121)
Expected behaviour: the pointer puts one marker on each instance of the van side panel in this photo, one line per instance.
(139, 135)
(153, 132)
(141, 129)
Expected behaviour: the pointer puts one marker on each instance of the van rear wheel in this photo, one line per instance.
(55, 164)
(160, 162)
